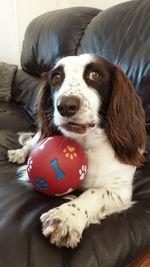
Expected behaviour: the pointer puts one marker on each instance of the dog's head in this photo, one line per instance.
(86, 92)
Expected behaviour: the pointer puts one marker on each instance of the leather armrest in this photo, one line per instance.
(143, 260)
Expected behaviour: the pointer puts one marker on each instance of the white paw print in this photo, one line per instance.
(83, 172)
(41, 147)
(30, 161)
(67, 192)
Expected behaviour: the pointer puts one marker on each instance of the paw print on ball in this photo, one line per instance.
(83, 172)
(70, 152)
(41, 184)
(30, 162)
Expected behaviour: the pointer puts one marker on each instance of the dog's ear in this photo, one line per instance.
(125, 123)
(45, 107)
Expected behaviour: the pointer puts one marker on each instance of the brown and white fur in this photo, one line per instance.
(89, 99)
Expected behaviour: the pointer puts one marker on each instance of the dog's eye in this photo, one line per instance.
(94, 76)
(57, 78)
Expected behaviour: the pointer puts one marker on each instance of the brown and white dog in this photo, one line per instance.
(89, 99)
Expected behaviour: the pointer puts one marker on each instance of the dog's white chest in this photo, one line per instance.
(103, 167)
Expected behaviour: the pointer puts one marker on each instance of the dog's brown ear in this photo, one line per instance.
(125, 124)
(45, 106)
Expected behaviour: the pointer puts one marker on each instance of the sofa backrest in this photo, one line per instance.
(121, 34)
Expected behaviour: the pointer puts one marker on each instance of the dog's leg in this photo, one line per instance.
(19, 155)
(65, 224)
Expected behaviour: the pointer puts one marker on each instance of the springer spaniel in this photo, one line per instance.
(89, 99)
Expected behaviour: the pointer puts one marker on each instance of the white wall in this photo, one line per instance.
(9, 43)
(15, 15)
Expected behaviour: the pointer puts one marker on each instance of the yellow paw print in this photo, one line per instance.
(70, 152)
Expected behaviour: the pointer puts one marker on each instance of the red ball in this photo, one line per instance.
(57, 165)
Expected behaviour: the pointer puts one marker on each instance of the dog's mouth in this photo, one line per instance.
(77, 128)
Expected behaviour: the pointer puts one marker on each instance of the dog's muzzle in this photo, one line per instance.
(68, 106)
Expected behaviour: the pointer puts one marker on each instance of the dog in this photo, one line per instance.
(92, 101)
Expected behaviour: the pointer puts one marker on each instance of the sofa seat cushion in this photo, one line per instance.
(13, 119)
(115, 242)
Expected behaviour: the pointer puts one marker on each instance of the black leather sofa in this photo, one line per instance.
(122, 35)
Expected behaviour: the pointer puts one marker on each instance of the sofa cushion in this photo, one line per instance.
(113, 243)
(46, 41)
(7, 73)
(13, 119)
(25, 91)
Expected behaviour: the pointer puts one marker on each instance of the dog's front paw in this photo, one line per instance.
(17, 156)
(64, 225)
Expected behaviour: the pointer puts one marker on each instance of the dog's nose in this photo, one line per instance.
(68, 105)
